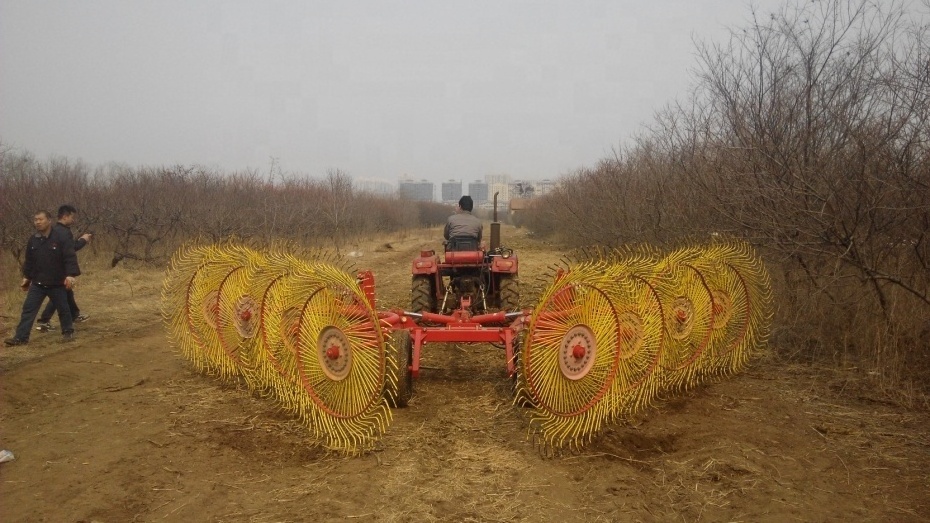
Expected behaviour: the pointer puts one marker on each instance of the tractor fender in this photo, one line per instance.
(426, 263)
(500, 264)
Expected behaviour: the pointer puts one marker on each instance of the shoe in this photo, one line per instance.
(81, 318)
(10, 342)
(44, 326)
(67, 336)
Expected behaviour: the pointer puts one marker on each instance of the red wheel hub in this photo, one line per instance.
(578, 351)
(334, 353)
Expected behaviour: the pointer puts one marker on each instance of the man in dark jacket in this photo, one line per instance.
(463, 229)
(67, 215)
(50, 270)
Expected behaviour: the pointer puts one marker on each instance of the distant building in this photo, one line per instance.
(522, 189)
(374, 186)
(451, 191)
(520, 204)
(498, 183)
(529, 189)
(525, 194)
(544, 187)
(419, 191)
(496, 179)
(478, 190)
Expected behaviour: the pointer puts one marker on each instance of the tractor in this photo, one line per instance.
(467, 276)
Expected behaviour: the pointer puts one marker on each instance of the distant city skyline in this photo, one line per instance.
(482, 190)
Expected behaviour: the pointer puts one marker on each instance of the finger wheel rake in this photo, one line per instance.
(238, 318)
(287, 282)
(200, 310)
(688, 307)
(740, 258)
(174, 297)
(642, 340)
(571, 358)
(642, 333)
(727, 351)
(341, 364)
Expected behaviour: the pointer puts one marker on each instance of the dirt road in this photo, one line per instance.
(117, 427)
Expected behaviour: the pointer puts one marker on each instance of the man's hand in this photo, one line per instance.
(25, 284)
(86, 236)
(69, 282)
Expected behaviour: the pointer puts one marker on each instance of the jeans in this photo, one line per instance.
(34, 298)
(49, 310)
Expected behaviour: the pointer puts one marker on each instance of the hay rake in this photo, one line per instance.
(609, 335)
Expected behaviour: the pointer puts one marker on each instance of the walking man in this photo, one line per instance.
(67, 215)
(50, 269)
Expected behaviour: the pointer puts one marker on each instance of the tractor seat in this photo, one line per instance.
(462, 243)
(464, 257)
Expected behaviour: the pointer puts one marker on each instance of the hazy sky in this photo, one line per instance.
(380, 89)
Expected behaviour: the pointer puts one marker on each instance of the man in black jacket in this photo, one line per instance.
(50, 270)
(67, 215)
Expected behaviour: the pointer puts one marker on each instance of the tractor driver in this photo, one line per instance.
(463, 229)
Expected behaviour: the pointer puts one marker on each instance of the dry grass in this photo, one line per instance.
(883, 356)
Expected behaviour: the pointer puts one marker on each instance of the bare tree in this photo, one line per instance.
(817, 141)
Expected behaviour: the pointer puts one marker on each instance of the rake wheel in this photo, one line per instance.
(280, 311)
(571, 359)
(238, 314)
(202, 310)
(174, 305)
(337, 342)
(731, 317)
(688, 308)
(341, 365)
(642, 341)
(252, 308)
(740, 258)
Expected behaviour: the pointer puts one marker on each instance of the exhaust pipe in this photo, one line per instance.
(495, 227)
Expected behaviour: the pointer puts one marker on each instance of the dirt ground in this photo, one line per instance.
(117, 427)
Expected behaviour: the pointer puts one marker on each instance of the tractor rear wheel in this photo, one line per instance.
(509, 290)
(422, 297)
(401, 350)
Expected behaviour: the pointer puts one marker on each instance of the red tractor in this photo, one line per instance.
(477, 280)
(467, 277)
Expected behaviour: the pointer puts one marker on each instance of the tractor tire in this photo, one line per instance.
(509, 293)
(422, 298)
(521, 397)
(401, 350)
